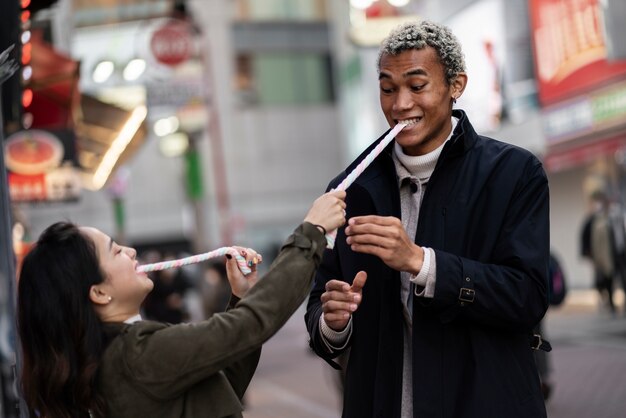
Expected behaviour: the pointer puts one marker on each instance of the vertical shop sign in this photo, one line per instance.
(570, 48)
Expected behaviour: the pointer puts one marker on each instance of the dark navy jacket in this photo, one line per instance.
(485, 213)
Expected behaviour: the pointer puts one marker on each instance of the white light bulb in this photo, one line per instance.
(25, 36)
(166, 126)
(103, 71)
(134, 69)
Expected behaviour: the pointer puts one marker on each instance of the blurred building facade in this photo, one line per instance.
(255, 98)
(253, 106)
(276, 96)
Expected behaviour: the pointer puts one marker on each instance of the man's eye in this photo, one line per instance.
(385, 90)
(417, 88)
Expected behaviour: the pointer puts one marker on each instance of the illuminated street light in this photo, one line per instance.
(166, 126)
(103, 71)
(26, 36)
(118, 146)
(174, 145)
(134, 69)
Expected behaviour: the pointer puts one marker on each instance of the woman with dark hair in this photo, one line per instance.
(87, 353)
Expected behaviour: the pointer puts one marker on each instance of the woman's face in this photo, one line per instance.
(118, 263)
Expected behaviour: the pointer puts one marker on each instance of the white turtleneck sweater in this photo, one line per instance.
(413, 173)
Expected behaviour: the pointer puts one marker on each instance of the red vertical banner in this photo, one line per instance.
(570, 48)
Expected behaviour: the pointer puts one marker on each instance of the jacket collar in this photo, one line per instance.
(463, 138)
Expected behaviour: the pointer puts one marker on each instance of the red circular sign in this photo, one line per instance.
(171, 44)
(32, 152)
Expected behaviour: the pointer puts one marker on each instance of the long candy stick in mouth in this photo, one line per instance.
(241, 262)
(347, 182)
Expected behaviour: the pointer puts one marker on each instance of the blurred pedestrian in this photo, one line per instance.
(88, 353)
(603, 242)
(214, 288)
(440, 276)
(166, 301)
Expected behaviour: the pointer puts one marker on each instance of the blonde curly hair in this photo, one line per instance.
(419, 35)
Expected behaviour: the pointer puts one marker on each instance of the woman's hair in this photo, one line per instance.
(61, 335)
(419, 35)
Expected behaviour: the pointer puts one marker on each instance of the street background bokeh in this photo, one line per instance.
(182, 126)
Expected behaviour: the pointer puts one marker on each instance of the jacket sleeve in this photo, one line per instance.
(240, 373)
(330, 269)
(511, 291)
(167, 362)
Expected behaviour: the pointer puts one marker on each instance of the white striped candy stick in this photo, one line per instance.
(241, 262)
(359, 169)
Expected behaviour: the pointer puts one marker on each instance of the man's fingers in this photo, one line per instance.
(336, 320)
(336, 306)
(337, 285)
(373, 219)
(339, 296)
(359, 281)
(368, 239)
(380, 252)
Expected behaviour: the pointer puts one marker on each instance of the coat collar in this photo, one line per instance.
(463, 139)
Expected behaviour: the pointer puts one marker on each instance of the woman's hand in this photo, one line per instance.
(328, 211)
(239, 283)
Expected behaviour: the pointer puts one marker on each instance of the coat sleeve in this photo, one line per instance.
(240, 373)
(330, 269)
(511, 291)
(169, 361)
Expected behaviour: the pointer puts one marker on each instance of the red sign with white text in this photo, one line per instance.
(570, 48)
(172, 43)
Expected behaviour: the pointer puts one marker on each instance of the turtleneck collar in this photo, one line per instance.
(421, 166)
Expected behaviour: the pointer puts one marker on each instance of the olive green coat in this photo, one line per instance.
(151, 369)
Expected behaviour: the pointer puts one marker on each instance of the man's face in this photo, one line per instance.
(413, 89)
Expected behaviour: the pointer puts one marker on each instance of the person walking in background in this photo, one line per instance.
(214, 288)
(87, 352)
(440, 276)
(165, 303)
(603, 242)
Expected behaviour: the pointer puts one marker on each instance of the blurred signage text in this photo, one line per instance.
(570, 48)
(593, 113)
(40, 168)
(172, 43)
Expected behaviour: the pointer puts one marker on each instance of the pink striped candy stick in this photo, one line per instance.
(347, 182)
(241, 262)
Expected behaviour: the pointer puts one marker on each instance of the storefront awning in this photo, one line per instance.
(566, 158)
(106, 135)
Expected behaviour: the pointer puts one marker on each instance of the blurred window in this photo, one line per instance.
(283, 78)
(281, 10)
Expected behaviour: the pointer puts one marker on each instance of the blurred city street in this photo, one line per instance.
(176, 128)
(588, 362)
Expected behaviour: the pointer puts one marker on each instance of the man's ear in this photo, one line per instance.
(457, 86)
(98, 296)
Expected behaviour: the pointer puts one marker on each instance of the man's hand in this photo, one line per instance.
(341, 300)
(385, 238)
